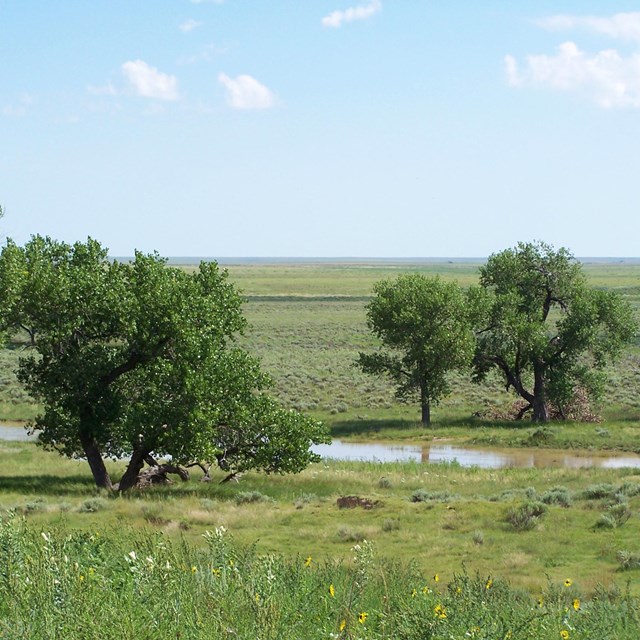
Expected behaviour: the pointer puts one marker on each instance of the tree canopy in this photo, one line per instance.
(140, 360)
(543, 329)
(424, 327)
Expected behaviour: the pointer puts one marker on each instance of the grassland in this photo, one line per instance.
(307, 324)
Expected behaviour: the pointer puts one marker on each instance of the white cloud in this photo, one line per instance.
(148, 82)
(621, 26)
(608, 78)
(245, 92)
(18, 110)
(189, 25)
(362, 12)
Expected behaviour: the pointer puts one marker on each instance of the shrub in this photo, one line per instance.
(390, 524)
(557, 495)
(384, 483)
(477, 537)
(420, 495)
(347, 534)
(92, 505)
(628, 560)
(614, 517)
(246, 497)
(526, 516)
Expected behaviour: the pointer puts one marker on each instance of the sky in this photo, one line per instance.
(363, 128)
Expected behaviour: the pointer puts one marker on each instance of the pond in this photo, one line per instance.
(486, 457)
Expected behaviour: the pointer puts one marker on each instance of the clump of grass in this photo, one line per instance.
(597, 492)
(384, 483)
(628, 560)
(347, 534)
(541, 435)
(305, 499)
(478, 537)
(557, 495)
(33, 506)
(153, 515)
(92, 505)
(614, 517)
(208, 505)
(526, 516)
(420, 495)
(248, 497)
(390, 524)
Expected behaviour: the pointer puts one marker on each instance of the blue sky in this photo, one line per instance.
(322, 127)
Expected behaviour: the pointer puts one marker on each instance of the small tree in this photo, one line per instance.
(139, 360)
(424, 327)
(543, 329)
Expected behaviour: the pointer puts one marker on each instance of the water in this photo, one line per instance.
(486, 458)
(14, 431)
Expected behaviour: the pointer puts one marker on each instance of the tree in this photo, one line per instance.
(543, 329)
(424, 327)
(139, 361)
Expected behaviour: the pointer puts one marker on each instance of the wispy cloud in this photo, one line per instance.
(148, 82)
(362, 12)
(19, 109)
(608, 78)
(621, 26)
(245, 92)
(189, 25)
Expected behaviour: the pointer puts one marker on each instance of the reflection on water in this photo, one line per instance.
(486, 458)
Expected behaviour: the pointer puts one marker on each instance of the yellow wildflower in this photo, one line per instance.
(216, 572)
(414, 593)
(426, 590)
(332, 591)
(540, 601)
(576, 604)
(440, 611)
(489, 584)
(343, 624)
(564, 634)
(362, 618)
(194, 569)
(81, 578)
(568, 582)
(257, 597)
(307, 562)
(436, 578)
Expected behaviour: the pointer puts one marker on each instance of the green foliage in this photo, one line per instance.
(139, 358)
(424, 326)
(543, 329)
(127, 584)
(526, 516)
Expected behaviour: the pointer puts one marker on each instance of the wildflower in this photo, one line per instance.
(426, 590)
(216, 572)
(440, 611)
(362, 617)
(489, 584)
(540, 601)
(436, 578)
(576, 604)
(81, 578)
(257, 597)
(46, 537)
(458, 590)
(307, 562)
(564, 634)
(414, 593)
(568, 582)
(132, 555)
(332, 591)
(91, 571)
(194, 569)
(343, 624)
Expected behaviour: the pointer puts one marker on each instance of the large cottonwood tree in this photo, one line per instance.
(543, 329)
(424, 326)
(139, 361)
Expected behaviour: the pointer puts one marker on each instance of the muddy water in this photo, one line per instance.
(488, 458)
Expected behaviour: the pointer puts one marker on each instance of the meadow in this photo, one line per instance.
(528, 531)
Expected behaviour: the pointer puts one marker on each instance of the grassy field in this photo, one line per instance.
(531, 527)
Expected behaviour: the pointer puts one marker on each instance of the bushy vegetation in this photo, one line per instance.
(129, 584)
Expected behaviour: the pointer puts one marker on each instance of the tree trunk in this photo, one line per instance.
(426, 413)
(132, 472)
(540, 406)
(96, 463)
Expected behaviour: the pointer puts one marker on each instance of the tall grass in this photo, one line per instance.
(129, 584)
